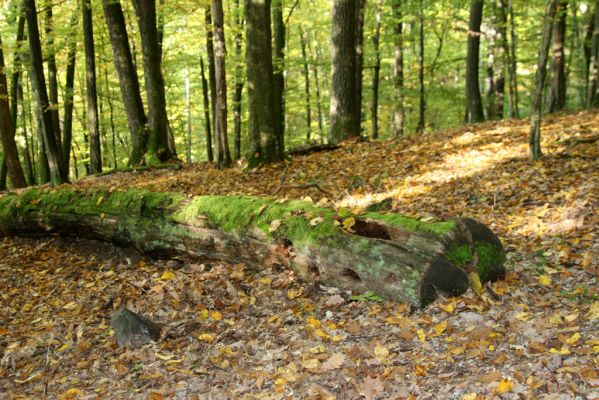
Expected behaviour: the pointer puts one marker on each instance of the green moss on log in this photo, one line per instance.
(412, 224)
(488, 256)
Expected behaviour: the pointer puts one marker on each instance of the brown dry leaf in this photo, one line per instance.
(274, 225)
(372, 387)
(335, 361)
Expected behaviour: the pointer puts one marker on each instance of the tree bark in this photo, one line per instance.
(128, 81)
(422, 100)
(376, 72)
(360, 19)
(557, 94)
(514, 108)
(52, 72)
(316, 86)
(207, 124)
(393, 255)
(158, 148)
(306, 84)
(398, 76)
(279, 72)
(534, 139)
(7, 132)
(495, 82)
(593, 96)
(263, 147)
(67, 131)
(238, 81)
(474, 102)
(211, 70)
(52, 150)
(223, 156)
(344, 114)
(95, 151)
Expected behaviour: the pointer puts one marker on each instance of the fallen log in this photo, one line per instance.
(390, 254)
(312, 148)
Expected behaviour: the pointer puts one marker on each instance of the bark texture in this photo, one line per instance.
(57, 173)
(534, 139)
(128, 82)
(473, 97)
(279, 72)
(392, 255)
(95, 152)
(260, 84)
(557, 94)
(398, 67)
(344, 114)
(159, 149)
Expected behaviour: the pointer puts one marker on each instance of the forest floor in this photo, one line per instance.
(229, 332)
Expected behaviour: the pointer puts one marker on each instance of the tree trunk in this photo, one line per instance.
(422, 101)
(398, 67)
(128, 81)
(53, 151)
(473, 98)
(95, 152)
(557, 95)
(238, 81)
(187, 117)
(514, 108)
(344, 114)
(279, 73)
(534, 140)
(211, 70)
(376, 72)
(15, 82)
(262, 132)
(52, 73)
(593, 96)
(207, 124)
(500, 61)
(158, 148)
(7, 132)
(306, 84)
(316, 86)
(67, 131)
(223, 156)
(390, 254)
(360, 19)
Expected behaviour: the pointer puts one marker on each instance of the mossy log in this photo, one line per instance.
(390, 254)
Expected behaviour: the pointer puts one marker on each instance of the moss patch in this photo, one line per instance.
(460, 255)
(412, 224)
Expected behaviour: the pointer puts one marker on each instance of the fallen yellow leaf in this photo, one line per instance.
(504, 386)
(545, 280)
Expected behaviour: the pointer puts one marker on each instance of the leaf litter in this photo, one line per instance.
(232, 333)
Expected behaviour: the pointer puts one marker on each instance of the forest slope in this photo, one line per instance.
(229, 333)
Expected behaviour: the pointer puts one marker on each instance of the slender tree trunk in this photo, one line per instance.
(67, 131)
(160, 26)
(158, 149)
(7, 132)
(398, 67)
(306, 83)
(187, 117)
(262, 132)
(495, 81)
(537, 97)
(223, 156)
(211, 70)
(557, 94)
(422, 101)
(376, 72)
(513, 68)
(360, 17)
(319, 112)
(593, 94)
(345, 116)
(52, 73)
(17, 74)
(473, 98)
(128, 81)
(207, 124)
(238, 81)
(58, 173)
(95, 152)
(28, 165)
(279, 72)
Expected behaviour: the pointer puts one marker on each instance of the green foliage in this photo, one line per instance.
(367, 296)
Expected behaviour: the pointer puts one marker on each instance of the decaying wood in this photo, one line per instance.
(312, 148)
(369, 252)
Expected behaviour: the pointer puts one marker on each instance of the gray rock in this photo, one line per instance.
(132, 329)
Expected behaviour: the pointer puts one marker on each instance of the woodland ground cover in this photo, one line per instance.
(232, 332)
